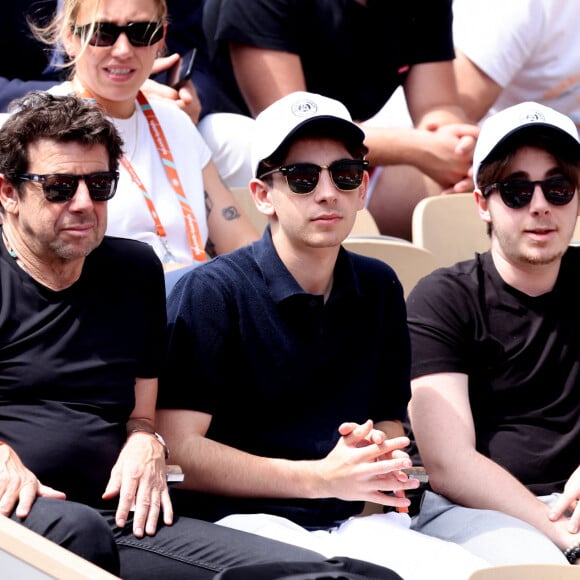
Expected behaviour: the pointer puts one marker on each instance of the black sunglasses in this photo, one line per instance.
(107, 33)
(302, 178)
(61, 187)
(519, 192)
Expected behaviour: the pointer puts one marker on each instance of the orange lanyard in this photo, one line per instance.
(193, 234)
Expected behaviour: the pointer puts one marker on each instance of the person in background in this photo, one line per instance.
(282, 419)
(171, 194)
(495, 409)
(225, 133)
(331, 48)
(526, 55)
(82, 335)
(25, 63)
(38, 67)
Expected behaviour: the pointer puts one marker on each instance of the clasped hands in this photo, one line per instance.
(449, 155)
(364, 464)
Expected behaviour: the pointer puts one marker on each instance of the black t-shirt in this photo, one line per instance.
(69, 359)
(522, 357)
(356, 54)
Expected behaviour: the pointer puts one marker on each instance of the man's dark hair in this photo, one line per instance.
(61, 118)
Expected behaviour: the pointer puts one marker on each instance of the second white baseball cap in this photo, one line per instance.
(501, 126)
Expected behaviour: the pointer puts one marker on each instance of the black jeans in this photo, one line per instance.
(190, 548)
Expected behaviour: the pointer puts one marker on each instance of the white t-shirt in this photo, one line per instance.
(531, 48)
(128, 212)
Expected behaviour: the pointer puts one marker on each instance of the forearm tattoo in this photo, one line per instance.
(229, 213)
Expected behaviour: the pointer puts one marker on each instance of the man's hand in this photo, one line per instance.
(447, 155)
(19, 486)
(139, 478)
(569, 501)
(364, 463)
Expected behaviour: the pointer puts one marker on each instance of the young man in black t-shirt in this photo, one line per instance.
(496, 354)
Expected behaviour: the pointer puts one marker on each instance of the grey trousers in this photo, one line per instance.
(492, 535)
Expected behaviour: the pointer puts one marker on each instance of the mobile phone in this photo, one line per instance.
(181, 71)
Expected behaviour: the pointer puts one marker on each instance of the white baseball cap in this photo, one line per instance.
(291, 114)
(501, 126)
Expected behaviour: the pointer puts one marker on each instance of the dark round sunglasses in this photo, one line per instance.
(302, 178)
(107, 33)
(61, 187)
(518, 193)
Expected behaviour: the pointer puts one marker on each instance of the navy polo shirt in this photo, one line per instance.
(278, 369)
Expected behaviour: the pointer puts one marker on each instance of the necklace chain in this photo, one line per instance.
(9, 246)
(12, 253)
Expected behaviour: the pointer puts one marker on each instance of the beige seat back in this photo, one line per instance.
(364, 223)
(409, 261)
(450, 227)
(528, 572)
(26, 555)
(576, 236)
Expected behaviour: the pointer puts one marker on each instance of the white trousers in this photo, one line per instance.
(384, 539)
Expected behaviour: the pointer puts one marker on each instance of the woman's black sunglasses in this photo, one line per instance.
(302, 178)
(518, 193)
(61, 187)
(107, 33)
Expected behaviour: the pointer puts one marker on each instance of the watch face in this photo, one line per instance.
(162, 441)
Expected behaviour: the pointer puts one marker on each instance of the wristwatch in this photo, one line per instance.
(155, 434)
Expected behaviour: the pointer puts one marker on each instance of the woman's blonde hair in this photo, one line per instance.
(57, 30)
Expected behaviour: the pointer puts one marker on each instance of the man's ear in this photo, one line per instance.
(8, 195)
(262, 197)
(482, 206)
(363, 190)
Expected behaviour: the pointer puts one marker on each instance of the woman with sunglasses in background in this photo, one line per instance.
(496, 354)
(170, 194)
